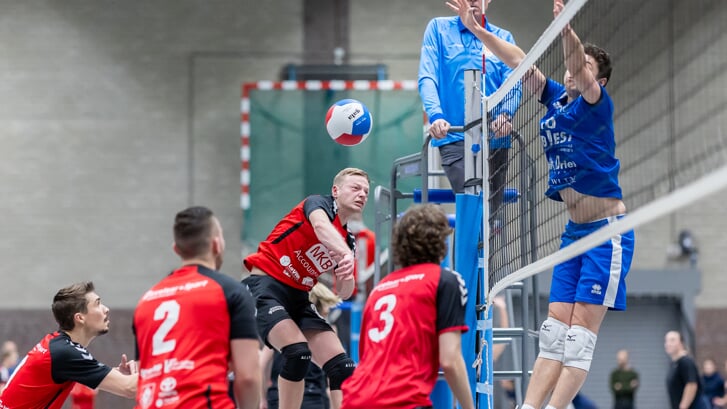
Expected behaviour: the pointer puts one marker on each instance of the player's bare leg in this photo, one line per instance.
(547, 371)
(284, 333)
(325, 345)
(590, 317)
(545, 375)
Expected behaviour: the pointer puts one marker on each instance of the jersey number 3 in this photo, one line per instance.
(386, 304)
(169, 312)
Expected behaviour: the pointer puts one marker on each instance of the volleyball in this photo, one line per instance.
(348, 122)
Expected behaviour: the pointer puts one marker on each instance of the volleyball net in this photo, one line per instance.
(670, 124)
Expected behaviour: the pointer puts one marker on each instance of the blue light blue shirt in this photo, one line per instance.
(579, 144)
(448, 50)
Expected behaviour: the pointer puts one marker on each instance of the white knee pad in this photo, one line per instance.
(579, 345)
(552, 339)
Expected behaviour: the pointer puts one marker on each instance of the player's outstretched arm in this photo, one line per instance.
(119, 384)
(575, 61)
(455, 371)
(248, 374)
(509, 53)
(328, 235)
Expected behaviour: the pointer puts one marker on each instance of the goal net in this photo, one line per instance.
(286, 153)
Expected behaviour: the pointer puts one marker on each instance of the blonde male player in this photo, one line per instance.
(310, 240)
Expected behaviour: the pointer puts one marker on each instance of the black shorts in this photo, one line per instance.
(276, 301)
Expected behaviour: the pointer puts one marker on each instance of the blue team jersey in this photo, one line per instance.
(578, 141)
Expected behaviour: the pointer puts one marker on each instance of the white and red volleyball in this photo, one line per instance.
(348, 122)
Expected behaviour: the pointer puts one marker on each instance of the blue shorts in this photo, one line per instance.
(597, 276)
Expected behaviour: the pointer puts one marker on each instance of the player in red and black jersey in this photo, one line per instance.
(412, 323)
(195, 324)
(46, 376)
(311, 240)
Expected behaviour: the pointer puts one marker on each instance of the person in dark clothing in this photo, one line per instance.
(624, 382)
(682, 381)
(713, 383)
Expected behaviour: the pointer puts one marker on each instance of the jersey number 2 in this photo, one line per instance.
(169, 312)
(386, 304)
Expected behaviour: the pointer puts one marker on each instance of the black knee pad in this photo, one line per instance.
(296, 359)
(338, 369)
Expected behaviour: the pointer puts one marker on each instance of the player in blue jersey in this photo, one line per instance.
(578, 139)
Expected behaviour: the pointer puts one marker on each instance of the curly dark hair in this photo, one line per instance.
(419, 237)
(602, 59)
(68, 301)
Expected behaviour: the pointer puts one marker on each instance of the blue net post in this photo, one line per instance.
(485, 383)
(467, 237)
(356, 313)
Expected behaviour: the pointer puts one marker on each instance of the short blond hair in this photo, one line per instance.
(349, 172)
(321, 296)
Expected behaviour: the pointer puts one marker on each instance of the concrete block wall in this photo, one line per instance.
(94, 132)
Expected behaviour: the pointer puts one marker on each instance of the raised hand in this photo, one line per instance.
(558, 6)
(465, 12)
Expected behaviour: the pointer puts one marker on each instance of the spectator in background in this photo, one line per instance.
(10, 356)
(713, 383)
(8, 362)
(682, 381)
(721, 401)
(624, 382)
